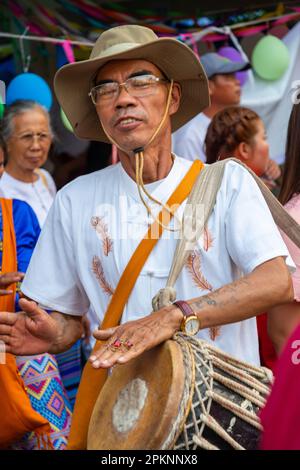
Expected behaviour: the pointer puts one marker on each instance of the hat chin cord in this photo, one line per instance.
(139, 165)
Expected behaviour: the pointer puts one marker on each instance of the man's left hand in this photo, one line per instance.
(131, 339)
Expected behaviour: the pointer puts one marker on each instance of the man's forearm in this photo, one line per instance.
(268, 285)
(69, 330)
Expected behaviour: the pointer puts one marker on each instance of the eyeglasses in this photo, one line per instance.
(136, 86)
(28, 137)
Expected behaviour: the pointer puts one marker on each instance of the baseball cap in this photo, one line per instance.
(214, 64)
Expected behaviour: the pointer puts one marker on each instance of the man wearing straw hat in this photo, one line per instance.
(134, 91)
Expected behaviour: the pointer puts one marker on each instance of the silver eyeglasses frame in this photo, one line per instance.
(124, 85)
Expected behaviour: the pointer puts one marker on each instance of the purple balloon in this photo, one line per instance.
(232, 54)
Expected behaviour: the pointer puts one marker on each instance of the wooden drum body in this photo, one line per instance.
(183, 394)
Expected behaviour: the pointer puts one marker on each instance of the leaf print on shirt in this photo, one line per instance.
(214, 332)
(101, 228)
(207, 239)
(193, 264)
(99, 273)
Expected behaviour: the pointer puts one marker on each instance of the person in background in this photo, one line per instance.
(27, 134)
(225, 91)
(281, 416)
(41, 387)
(290, 197)
(239, 132)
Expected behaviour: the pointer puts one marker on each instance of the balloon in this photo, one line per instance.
(1, 107)
(270, 58)
(233, 54)
(65, 121)
(29, 86)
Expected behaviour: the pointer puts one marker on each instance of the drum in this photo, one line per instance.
(183, 394)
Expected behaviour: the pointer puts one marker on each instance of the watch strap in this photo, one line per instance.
(184, 307)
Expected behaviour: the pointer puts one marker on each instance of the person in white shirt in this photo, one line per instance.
(27, 133)
(141, 88)
(224, 89)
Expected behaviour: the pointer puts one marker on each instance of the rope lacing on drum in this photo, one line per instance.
(203, 358)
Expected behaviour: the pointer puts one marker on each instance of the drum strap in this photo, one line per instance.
(92, 379)
(204, 193)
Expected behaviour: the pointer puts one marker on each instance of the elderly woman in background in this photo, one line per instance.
(27, 133)
(19, 232)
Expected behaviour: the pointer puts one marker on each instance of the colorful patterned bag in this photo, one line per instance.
(47, 395)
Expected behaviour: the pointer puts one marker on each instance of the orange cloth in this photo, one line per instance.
(92, 380)
(17, 416)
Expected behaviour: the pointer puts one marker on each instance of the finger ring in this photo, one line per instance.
(119, 343)
(116, 345)
(128, 344)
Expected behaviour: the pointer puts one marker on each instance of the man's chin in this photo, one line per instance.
(129, 145)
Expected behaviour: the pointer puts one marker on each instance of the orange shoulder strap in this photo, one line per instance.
(92, 379)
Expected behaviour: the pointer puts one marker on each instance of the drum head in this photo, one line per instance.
(139, 401)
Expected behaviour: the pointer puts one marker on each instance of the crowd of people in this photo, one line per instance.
(169, 116)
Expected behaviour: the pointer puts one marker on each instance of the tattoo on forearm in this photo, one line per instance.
(221, 297)
(203, 301)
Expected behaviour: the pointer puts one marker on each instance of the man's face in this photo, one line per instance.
(131, 121)
(225, 90)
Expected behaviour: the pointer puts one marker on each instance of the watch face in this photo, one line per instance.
(192, 326)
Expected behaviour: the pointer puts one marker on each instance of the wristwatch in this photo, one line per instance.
(190, 324)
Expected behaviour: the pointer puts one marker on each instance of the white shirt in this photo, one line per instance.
(39, 195)
(79, 259)
(188, 140)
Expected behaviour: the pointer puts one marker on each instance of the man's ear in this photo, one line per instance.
(175, 98)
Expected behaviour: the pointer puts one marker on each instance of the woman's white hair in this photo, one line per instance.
(15, 109)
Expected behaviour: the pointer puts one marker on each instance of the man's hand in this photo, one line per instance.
(7, 279)
(29, 332)
(135, 337)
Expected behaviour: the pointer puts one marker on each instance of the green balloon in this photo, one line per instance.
(65, 121)
(1, 107)
(270, 58)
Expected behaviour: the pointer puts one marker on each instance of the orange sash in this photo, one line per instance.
(17, 416)
(92, 380)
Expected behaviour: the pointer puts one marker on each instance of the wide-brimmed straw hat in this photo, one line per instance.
(177, 61)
